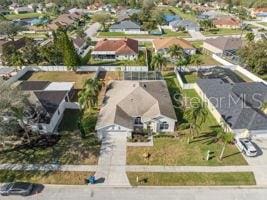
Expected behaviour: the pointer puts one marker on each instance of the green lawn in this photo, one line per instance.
(264, 77)
(23, 16)
(191, 179)
(68, 76)
(41, 177)
(222, 31)
(207, 60)
(197, 43)
(169, 33)
(172, 151)
(190, 77)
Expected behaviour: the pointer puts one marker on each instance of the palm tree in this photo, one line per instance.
(159, 61)
(176, 52)
(196, 60)
(183, 61)
(197, 115)
(226, 138)
(89, 95)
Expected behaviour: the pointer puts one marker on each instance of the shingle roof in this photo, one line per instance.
(33, 85)
(128, 99)
(78, 41)
(126, 46)
(168, 42)
(125, 25)
(184, 23)
(225, 43)
(230, 21)
(229, 102)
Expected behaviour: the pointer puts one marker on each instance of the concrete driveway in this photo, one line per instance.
(261, 159)
(112, 161)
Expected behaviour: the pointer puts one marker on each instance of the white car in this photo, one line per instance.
(247, 147)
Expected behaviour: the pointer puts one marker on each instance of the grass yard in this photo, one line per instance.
(23, 16)
(264, 77)
(184, 15)
(189, 77)
(173, 151)
(69, 76)
(41, 177)
(169, 33)
(191, 178)
(197, 43)
(222, 31)
(207, 60)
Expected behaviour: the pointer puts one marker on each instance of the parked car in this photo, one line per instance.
(16, 188)
(247, 147)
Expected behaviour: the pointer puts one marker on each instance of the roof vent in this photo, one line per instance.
(144, 85)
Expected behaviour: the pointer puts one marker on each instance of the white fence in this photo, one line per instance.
(238, 68)
(184, 86)
(136, 32)
(113, 68)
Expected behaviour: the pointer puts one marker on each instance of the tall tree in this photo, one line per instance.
(159, 62)
(196, 60)
(176, 52)
(102, 18)
(225, 138)
(10, 29)
(250, 37)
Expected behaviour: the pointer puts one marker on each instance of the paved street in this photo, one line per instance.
(175, 193)
(197, 35)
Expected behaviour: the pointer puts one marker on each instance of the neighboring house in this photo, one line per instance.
(188, 25)
(162, 45)
(125, 49)
(171, 18)
(79, 44)
(48, 101)
(262, 16)
(25, 9)
(236, 104)
(4, 11)
(210, 15)
(222, 46)
(227, 22)
(64, 20)
(125, 26)
(135, 106)
(256, 11)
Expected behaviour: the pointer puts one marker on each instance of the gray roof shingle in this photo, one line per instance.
(125, 25)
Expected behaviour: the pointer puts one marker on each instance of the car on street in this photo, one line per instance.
(16, 188)
(247, 147)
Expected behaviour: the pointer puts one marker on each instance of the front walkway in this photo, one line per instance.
(197, 35)
(112, 161)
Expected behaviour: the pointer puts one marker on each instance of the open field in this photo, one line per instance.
(191, 179)
(69, 76)
(222, 31)
(49, 177)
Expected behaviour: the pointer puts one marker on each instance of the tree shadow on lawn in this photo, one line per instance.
(205, 137)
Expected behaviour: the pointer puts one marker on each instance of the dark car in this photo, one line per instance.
(16, 188)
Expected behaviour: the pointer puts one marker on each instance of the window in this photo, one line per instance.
(137, 120)
(164, 126)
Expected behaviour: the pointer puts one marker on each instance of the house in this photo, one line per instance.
(222, 45)
(210, 15)
(238, 105)
(125, 49)
(47, 103)
(256, 11)
(25, 9)
(169, 18)
(262, 16)
(4, 11)
(64, 20)
(227, 22)
(80, 44)
(126, 27)
(188, 25)
(162, 45)
(134, 106)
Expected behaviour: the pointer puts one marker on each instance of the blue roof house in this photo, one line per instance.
(170, 18)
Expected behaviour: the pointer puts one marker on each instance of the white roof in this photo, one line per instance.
(59, 86)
